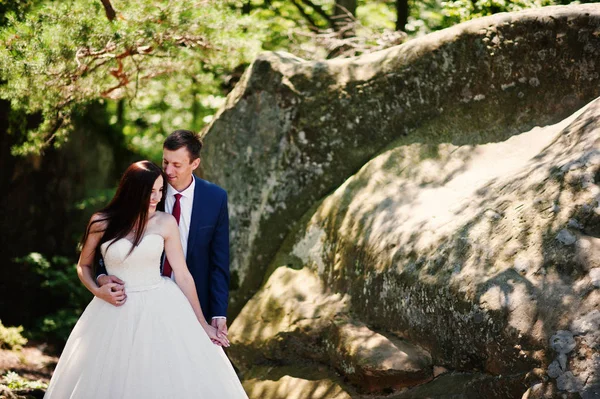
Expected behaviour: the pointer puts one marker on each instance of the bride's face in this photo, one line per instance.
(157, 192)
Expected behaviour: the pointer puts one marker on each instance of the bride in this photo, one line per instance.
(158, 343)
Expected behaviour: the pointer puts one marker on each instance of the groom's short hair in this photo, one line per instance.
(184, 138)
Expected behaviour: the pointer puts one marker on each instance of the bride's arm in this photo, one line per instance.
(183, 278)
(85, 268)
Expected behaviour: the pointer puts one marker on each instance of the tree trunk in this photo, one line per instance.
(402, 14)
(109, 10)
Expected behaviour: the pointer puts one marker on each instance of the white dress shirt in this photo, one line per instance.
(185, 218)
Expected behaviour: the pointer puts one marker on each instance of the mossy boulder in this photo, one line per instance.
(471, 253)
(292, 130)
(297, 382)
(294, 319)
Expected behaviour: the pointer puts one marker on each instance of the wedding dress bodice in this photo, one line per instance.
(142, 267)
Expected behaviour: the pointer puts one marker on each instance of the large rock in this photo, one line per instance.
(470, 252)
(463, 386)
(374, 362)
(294, 388)
(303, 382)
(292, 306)
(293, 131)
(294, 319)
(462, 250)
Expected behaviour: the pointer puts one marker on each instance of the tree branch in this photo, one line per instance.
(306, 16)
(319, 10)
(110, 11)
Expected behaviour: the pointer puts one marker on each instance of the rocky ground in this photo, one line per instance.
(32, 363)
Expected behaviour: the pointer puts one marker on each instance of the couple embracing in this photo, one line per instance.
(157, 324)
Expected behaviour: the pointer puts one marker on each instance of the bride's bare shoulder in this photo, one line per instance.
(98, 222)
(166, 220)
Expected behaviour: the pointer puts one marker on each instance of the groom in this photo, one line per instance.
(201, 208)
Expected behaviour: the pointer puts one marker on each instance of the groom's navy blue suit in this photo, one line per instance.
(208, 248)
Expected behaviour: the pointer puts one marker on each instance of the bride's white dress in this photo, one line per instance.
(151, 347)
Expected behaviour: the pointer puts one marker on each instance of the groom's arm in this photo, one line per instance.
(100, 268)
(219, 263)
(103, 278)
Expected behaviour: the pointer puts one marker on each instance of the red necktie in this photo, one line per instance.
(177, 213)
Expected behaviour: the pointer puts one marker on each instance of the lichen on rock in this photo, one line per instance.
(292, 130)
(440, 196)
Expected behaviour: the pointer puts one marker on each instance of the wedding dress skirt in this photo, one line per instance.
(151, 347)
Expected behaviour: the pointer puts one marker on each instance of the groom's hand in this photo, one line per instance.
(221, 325)
(112, 293)
(112, 290)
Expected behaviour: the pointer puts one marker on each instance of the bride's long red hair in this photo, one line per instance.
(128, 210)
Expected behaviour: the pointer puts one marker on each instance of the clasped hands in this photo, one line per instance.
(220, 325)
(112, 290)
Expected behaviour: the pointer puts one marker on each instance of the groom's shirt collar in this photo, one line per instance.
(188, 192)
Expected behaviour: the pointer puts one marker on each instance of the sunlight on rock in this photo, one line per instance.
(294, 388)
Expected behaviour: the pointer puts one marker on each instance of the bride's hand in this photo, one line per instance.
(212, 334)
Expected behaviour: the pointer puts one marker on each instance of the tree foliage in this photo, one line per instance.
(60, 284)
(62, 55)
(11, 338)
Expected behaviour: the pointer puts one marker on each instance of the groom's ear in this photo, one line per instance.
(195, 163)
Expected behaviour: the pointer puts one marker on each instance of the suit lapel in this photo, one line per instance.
(196, 215)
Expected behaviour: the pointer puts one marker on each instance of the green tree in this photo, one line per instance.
(60, 56)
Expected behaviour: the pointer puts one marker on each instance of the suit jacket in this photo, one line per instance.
(208, 248)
